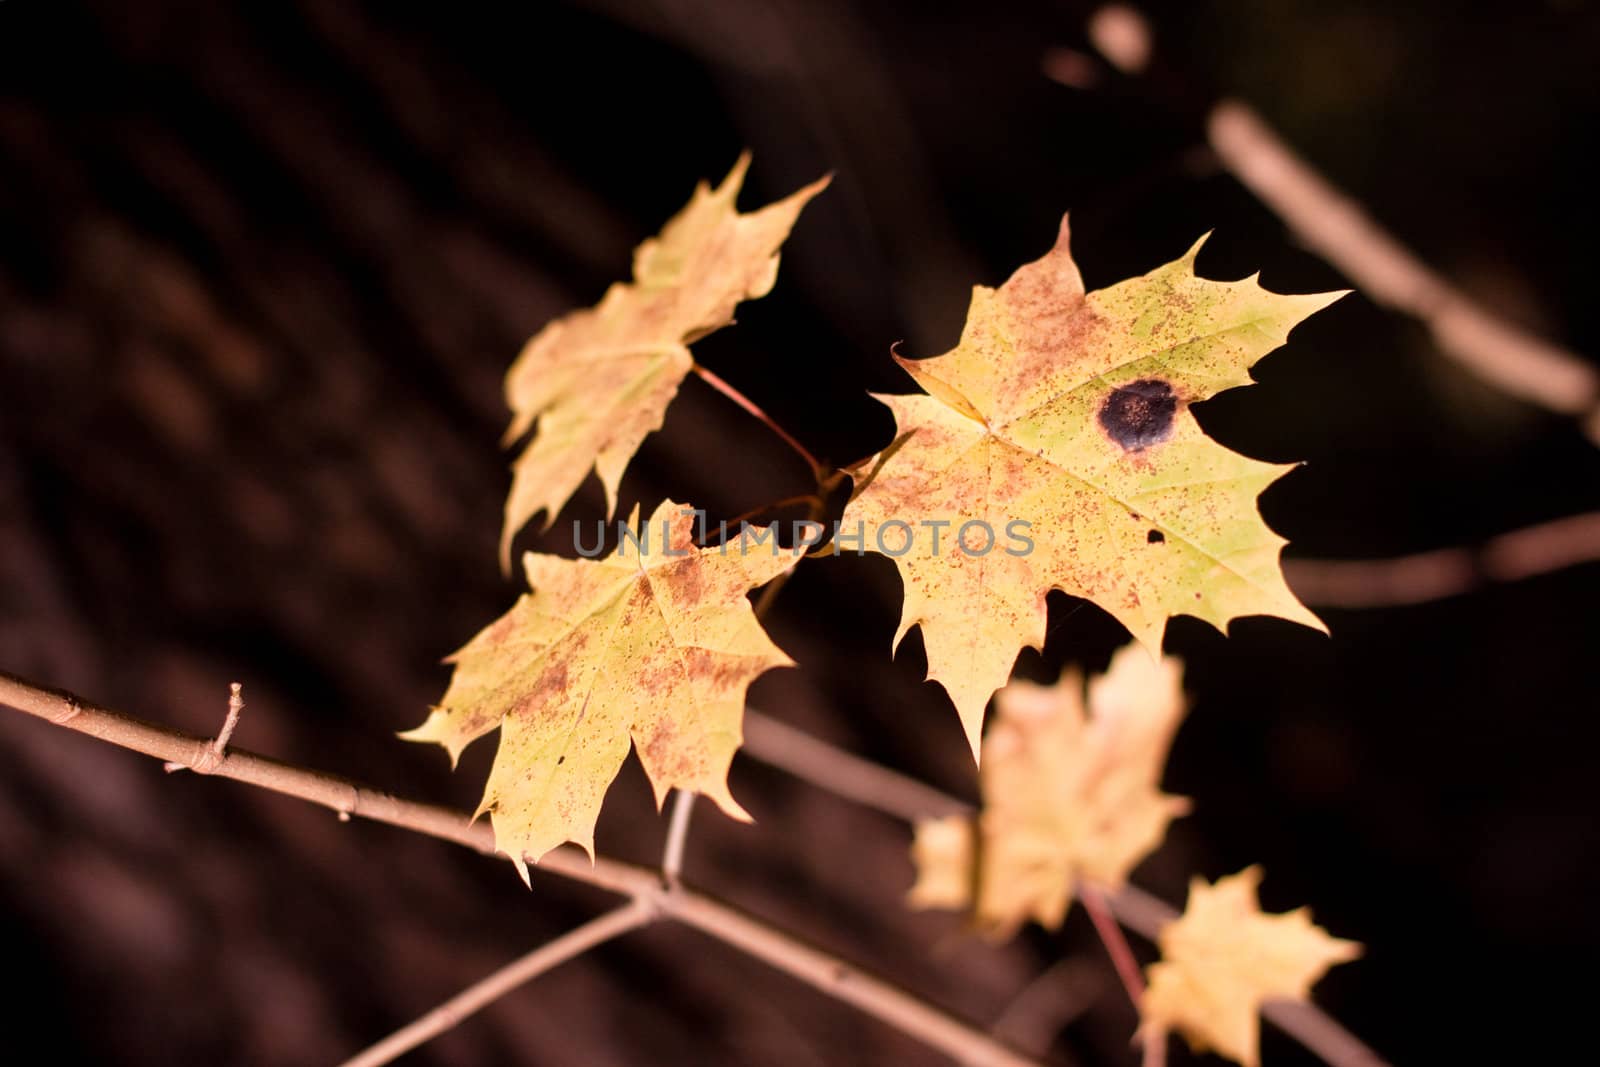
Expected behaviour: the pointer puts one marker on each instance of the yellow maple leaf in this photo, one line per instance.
(599, 380)
(1067, 412)
(1066, 796)
(655, 644)
(1224, 957)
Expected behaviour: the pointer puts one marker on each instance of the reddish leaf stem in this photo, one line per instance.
(750, 406)
(1105, 924)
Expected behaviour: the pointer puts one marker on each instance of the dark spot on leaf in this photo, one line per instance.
(1155, 537)
(560, 761)
(1139, 414)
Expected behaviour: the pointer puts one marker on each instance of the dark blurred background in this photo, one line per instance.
(263, 266)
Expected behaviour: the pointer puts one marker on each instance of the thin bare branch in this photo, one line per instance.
(842, 773)
(1447, 572)
(828, 973)
(839, 979)
(819, 503)
(1383, 583)
(512, 976)
(1320, 1034)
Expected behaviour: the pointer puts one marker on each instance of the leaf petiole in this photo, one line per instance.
(818, 470)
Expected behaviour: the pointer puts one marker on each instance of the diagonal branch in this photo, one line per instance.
(1446, 572)
(481, 994)
(890, 1004)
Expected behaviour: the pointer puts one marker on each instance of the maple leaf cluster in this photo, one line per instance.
(1063, 410)
(1060, 411)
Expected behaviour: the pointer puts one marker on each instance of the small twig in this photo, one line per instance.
(677, 835)
(481, 994)
(219, 747)
(711, 379)
(1105, 924)
(235, 707)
